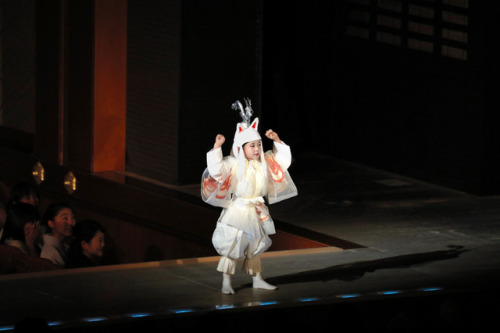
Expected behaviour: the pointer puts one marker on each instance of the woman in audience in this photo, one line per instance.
(59, 220)
(22, 228)
(87, 246)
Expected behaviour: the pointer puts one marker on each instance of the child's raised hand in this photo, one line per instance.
(273, 135)
(219, 141)
(31, 233)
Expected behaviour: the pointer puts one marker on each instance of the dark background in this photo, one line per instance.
(383, 105)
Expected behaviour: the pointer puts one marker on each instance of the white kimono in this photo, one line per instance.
(244, 225)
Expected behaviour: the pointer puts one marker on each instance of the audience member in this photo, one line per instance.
(26, 193)
(59, 220)
(23, 192)
(87, 246)
(22, 228)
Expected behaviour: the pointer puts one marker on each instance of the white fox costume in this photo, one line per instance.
(239, 186)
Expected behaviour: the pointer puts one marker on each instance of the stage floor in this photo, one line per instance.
(417, 241)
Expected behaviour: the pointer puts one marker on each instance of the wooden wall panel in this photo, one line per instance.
(110, 84)
(153, 74)
(78, 85)
(49, 73)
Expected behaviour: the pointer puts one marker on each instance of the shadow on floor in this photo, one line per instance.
(353, 271)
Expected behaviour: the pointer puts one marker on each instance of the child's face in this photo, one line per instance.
(63, 223)
(252, 149)
(96, 245)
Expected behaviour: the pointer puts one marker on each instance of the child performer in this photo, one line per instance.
(239, 183)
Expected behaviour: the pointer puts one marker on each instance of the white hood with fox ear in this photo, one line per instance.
(243, 135)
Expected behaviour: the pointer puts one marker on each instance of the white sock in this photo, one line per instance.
(226, 284)
(258, 282)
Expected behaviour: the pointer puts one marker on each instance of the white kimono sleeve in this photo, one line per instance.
(216, 179)
(280, 184)
(283, 154)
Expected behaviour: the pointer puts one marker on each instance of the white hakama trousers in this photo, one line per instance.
(233, 244)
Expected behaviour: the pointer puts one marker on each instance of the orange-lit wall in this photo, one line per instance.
(110, 84)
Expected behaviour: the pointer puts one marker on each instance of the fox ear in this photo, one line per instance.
(239, 128)
(255, 123)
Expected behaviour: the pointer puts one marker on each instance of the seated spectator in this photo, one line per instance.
(23, 192)
(59, 220)
(87, 246)
(22, 228)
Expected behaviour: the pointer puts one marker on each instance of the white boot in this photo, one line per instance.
(226, 284)
(258, 282)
